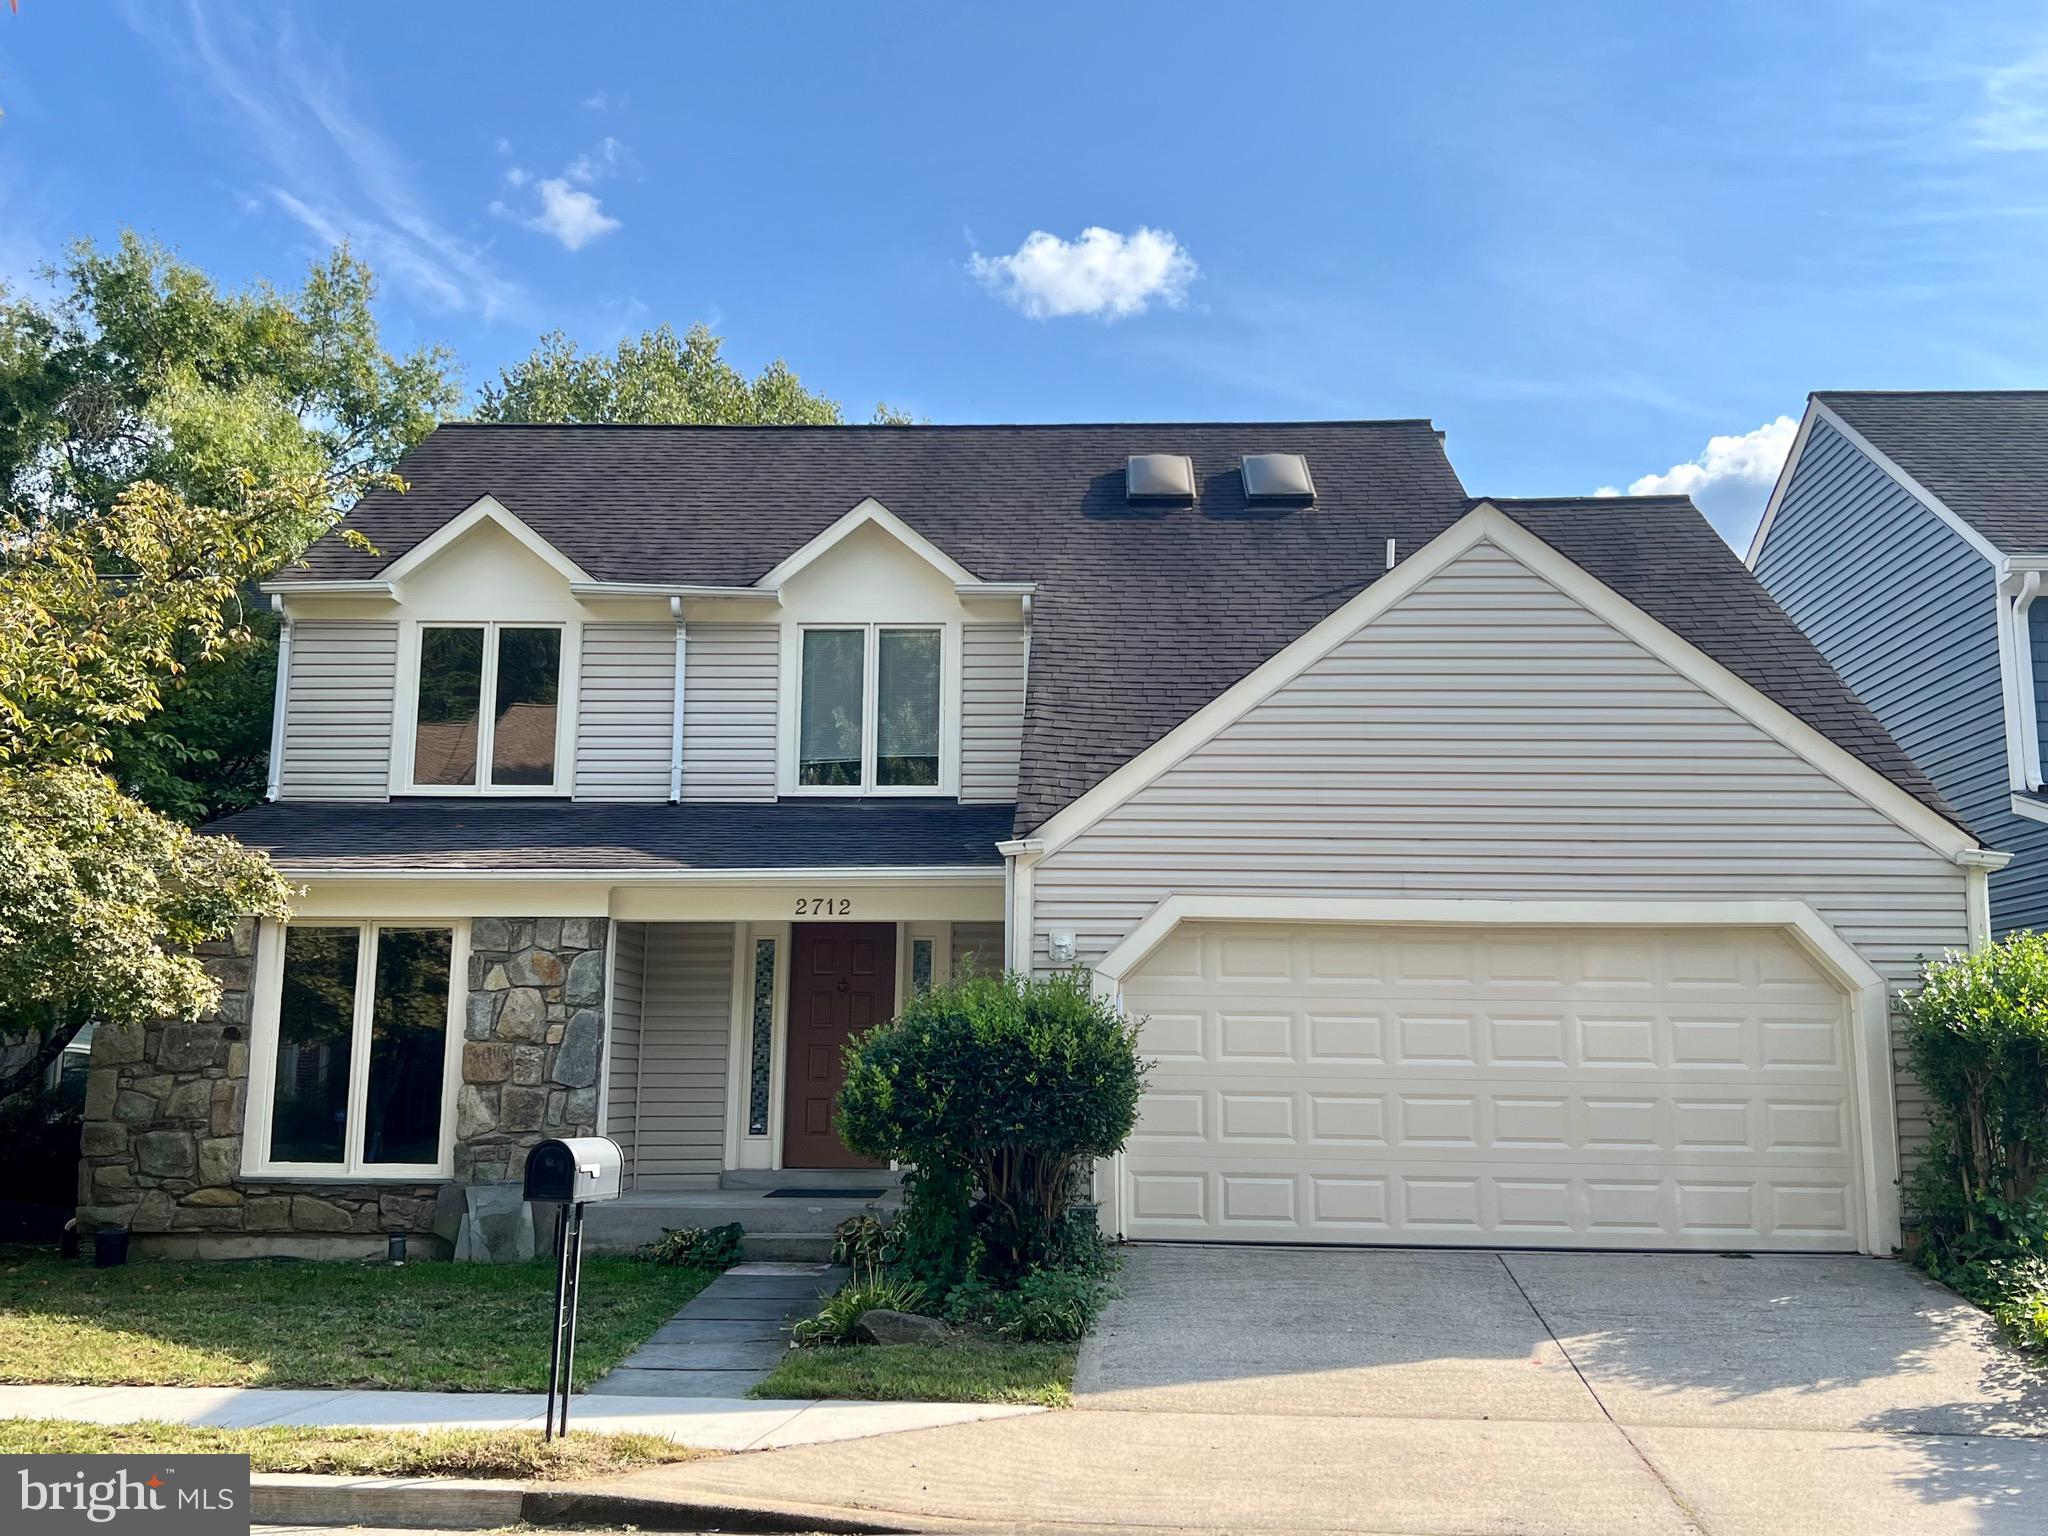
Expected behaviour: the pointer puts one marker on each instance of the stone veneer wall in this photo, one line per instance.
(162, 1142)
(535, 1032)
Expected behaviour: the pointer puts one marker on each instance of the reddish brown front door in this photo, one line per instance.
(842, 980)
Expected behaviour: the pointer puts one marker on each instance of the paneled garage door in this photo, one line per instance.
(1667, 1088)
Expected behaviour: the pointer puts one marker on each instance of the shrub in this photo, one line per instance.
(862, 1241)
(1977, 1031)
(698, 1247)
(1977, 1035)
(39, 1132)
(870, 1292)
(1009, 1087)
(1044, 1306)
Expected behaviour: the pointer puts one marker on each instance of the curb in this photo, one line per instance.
(307, 1498)
(574, 1507)
(449, 1503)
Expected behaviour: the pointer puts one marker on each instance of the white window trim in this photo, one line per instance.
(743, 1149)
(566, 682)
(267, 998)
(871, 673)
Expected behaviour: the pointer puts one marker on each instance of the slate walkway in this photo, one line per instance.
(729, 1336)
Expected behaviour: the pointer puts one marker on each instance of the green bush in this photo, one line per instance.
(1977, 1035)
(1000, 1092)
(869, 1292)
(698, 1247)
(862, 1241)
(1054, 1305)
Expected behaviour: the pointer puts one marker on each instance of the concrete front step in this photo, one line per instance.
(797, 1247)
(885, 1179)
(797, 1228)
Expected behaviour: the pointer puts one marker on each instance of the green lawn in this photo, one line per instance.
(423, 1326)
(966, 1370)
(520, 1454)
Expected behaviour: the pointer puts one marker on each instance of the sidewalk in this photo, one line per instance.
(711, 1424)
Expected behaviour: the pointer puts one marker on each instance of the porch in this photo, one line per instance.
(722, 1057)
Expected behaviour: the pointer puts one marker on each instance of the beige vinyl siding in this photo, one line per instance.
(685, 1031)
(1486, 737)
(729, 711)
(625, 715)
(339, 700)
(622, 1059)
(991, 710)
(979, 945)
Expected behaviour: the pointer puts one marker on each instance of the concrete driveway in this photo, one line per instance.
(1400, 1391)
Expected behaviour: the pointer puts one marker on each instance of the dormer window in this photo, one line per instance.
(489, 715)
(868, 709)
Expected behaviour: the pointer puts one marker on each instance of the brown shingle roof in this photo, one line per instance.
(1142, 613)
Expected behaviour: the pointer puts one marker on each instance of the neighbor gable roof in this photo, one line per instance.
(1140, 614)
(1982, 453)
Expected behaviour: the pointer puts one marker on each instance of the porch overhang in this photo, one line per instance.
(966, 893)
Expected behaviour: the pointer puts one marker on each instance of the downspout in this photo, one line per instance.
(675, 741)
(1978, 866)
(2023, 681)
(277, 703)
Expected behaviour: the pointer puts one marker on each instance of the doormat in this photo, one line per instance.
(823, 1194)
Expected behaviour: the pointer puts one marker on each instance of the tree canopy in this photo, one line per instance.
(140, 370)
(101, 897)
(658, 377)
(165, 444)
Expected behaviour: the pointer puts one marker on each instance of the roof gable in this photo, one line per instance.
(1488, 525)
(869, 514)
(485, 509)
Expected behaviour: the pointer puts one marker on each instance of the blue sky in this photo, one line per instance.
(1597, 244)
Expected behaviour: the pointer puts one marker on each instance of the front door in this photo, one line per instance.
(842, 980)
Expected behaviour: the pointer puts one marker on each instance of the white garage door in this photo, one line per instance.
(1669, 1088)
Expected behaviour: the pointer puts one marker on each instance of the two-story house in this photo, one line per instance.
(1906, 535)
(1487, 871)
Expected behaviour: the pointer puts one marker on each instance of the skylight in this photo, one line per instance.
(1277, 477)
(1159, 477)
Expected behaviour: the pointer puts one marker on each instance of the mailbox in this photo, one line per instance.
(574, 1169)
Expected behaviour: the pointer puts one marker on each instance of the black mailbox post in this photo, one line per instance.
(569, 1173)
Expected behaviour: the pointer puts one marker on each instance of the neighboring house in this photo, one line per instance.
(1908, 537)
(1488, 871)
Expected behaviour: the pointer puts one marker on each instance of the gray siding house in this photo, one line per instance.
(1484, 871)
(1907, 537)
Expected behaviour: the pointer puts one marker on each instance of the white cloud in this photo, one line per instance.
(1101, 273)
(2015, 113)
(563, 206)
(572, 215)
(608, 159)
(1730, 481)
(334, 173)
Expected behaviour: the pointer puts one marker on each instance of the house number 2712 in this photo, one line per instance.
(824, 906)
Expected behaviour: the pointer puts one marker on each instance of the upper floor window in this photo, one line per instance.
(489, 706)
(868, 708)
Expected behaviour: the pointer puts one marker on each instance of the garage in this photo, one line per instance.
(1672, 1087)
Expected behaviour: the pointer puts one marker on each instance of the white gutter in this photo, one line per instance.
(277, 702)
(2023, 680)
(675, 742)
(995, 589)
(330, 589)
(673, 591)
(872, 874)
